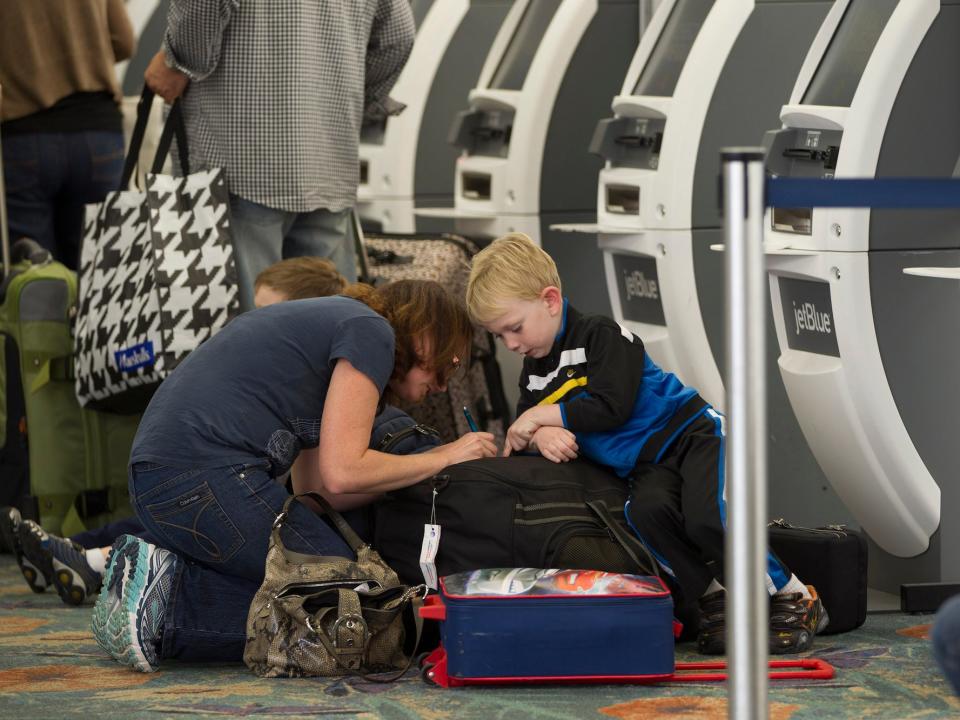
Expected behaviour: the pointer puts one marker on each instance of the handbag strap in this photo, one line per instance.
(626, 541)
(346, 532)
(173, 125)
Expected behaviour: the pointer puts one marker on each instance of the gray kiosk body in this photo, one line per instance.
(873, 377)
(524, 141)
(406, 161)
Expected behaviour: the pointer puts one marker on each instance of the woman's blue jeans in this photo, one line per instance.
(218, 522)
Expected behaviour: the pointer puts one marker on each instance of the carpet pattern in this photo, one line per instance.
(50, 667)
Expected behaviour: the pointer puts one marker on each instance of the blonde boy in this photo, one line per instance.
(588, 387)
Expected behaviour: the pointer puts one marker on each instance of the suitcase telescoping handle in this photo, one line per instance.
(4, 231)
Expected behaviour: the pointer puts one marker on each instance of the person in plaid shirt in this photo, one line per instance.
(275, 93)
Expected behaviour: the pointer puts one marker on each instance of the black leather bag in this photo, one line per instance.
(521, 511)
(833, 559)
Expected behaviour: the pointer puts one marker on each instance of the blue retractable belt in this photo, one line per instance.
(918, 193)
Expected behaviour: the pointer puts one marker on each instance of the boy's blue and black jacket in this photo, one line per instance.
(621, 406)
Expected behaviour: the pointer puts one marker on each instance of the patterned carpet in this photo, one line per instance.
(50, 667)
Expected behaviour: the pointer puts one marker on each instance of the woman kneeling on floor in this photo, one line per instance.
(241, 410)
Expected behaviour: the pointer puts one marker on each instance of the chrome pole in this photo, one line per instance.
(747, 607)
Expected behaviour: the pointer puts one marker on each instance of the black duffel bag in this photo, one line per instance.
(521, 511)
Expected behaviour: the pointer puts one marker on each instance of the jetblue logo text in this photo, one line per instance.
(807, 317)
(638, 286)
(133, 358)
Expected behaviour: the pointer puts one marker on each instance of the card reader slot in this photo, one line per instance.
(792, 220)
(623, 199)
(476, 186)
(828, 155)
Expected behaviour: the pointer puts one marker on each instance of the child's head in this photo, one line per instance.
(514, 292)
(297, 278)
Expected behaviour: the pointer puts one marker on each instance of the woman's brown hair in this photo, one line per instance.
(421, 309)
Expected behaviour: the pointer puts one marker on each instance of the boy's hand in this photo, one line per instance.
(520, 433)
(472, 446)
(556, 443)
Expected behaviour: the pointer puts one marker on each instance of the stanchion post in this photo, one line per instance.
(747, 609)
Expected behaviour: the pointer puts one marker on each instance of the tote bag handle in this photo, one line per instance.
(173, 125)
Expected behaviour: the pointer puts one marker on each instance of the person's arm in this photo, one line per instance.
(194, 35)
(391, 39)
(307, 465)
(122, 39)
(614, 375)
(345, 463)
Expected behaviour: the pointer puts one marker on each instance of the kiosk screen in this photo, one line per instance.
(836, 79)
(516, 60)
(662, 69)
(420, 9)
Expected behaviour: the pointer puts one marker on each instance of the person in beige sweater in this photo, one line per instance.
(61, 122)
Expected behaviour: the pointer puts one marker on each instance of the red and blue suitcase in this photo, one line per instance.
(523, 625)
(530, 625)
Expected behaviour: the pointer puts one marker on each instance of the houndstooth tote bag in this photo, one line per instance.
(157, 276)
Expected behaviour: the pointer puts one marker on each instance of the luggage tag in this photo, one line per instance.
(430, 545)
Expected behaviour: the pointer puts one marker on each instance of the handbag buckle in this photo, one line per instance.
(279, 521)
(351, 624)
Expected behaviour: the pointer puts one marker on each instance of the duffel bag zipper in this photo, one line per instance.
(835, 530)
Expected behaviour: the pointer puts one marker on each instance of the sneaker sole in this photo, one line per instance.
(35, 562)
(69, 584)
(114, 627)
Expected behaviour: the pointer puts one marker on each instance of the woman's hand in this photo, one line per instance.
(472, 446)
(556, 443)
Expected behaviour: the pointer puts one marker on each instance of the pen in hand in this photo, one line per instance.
(470, 421)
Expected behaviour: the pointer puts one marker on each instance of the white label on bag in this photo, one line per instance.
(428, 554)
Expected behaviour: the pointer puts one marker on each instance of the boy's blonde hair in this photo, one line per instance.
(510, 268)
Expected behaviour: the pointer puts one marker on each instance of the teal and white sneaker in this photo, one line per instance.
(128, 615)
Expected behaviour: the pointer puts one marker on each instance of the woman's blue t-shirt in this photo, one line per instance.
(255, 391)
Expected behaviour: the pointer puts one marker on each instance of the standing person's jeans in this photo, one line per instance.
(50, 177)
(946, 641)
(218, 522)
(263, 236)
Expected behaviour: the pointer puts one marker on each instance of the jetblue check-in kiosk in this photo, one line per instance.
(866, 301)
(707, 74)
(405, 160)
(524, 161)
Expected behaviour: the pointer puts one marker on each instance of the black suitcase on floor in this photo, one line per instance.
(834, 560)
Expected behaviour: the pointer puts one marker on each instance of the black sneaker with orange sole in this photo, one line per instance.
(795, 620)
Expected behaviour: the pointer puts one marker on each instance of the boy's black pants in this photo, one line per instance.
(677, 508)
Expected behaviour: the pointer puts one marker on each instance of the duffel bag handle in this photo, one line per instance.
(629, 544)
